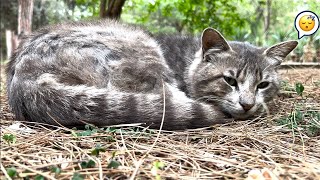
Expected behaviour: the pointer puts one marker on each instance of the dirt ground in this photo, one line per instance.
(260, 148)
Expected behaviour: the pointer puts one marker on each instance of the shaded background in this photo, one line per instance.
(262, 22)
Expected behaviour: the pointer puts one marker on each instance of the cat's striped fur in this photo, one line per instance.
(107, 73)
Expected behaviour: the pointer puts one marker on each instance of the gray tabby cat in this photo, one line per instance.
(107, 73)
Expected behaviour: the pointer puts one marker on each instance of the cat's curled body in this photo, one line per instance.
(107, 73)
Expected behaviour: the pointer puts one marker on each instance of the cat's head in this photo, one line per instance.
(238, 77)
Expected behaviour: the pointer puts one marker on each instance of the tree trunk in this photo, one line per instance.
(267, 19)
(103, 10)
(113, 10)
(25, 17)
(254, 25)
(11, 42)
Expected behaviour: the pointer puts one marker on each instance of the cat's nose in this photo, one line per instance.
(246, 106)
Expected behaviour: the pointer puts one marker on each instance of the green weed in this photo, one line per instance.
(39, 177)
(157, 165)
(77, 176)
(113, 164)
(55, 170)
(308, 121)
(299, 88)
(9, 138)
(12, 172)
(88, 164)
(96, 151)
(89, 130)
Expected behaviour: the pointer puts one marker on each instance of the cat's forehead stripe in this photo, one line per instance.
(240, 69)
(249, 71)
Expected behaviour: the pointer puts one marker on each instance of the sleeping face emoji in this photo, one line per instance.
(307, 22)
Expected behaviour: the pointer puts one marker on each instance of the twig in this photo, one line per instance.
(158, 135)
(27, 168)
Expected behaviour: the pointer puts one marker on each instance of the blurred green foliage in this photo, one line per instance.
(261, 22)
(190, 16)
(243, 20)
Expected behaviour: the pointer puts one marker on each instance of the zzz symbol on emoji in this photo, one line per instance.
(306, 23)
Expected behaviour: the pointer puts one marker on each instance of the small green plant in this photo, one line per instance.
(308, 121)
(89, 130)
(112, 130)
(96, 151)
(39, 177)
(77, 176)
(157, 165)
(9, 138)
(55, 170)
(88, 164)
(292, 120)
(113, 163)
(314, 127)
(299, 88)
(132, 131)
(116, 130)
(12, 172)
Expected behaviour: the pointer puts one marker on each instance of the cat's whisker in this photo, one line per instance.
(265, 107)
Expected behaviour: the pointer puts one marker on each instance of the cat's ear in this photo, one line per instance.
(212, 39)
(279, 51)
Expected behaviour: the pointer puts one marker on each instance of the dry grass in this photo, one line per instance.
(227, 151)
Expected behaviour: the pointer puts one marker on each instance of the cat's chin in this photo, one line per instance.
(237, 116)
(241, 114)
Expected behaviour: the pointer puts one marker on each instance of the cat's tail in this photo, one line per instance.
(49, 101)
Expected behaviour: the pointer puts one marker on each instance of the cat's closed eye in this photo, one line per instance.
(207, 59)
(263, 85)
(231, 81)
